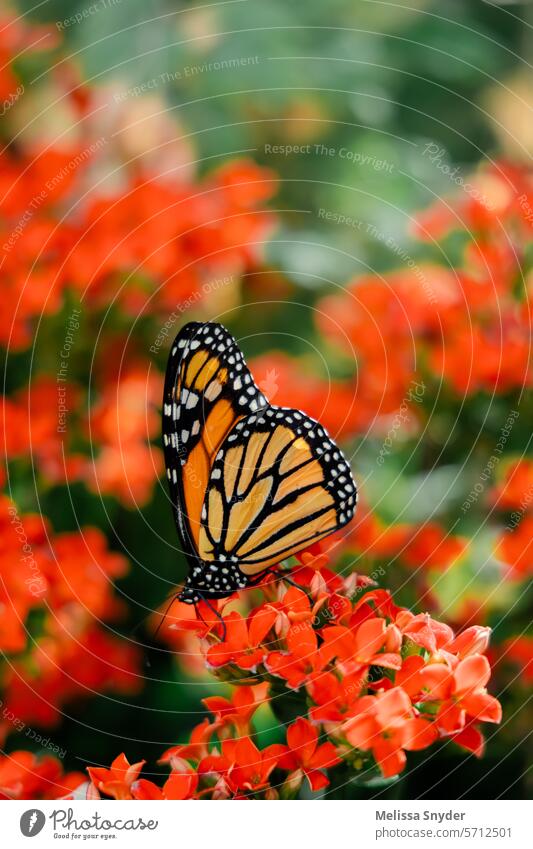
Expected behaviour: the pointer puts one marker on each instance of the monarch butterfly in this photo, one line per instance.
(250, 483)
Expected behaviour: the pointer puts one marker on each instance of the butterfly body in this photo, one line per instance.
(250, 483)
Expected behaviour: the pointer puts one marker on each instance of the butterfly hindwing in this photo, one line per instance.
(278, 484)
(208, 389)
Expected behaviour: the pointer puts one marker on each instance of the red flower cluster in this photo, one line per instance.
(24, 775)
(372, 680)
(153, 247)
(421, 547)
(30, 425)
(217, 766)
(409, 330)
(514, 493)
(54, 591)
(122, 422)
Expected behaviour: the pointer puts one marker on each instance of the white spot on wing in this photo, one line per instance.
(213, 390)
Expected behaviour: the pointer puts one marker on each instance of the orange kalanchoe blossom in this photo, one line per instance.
(515, 489)
(419, 547)
(370, 681)
(304, 755)
(30, 424)
(24, 775)
(122, 422)
(362, 646)
(461, 693)
(514, 544)
(469, 326)
(515, 549)
(179, 785)
(151, 246)
(243, 643)
(241, 768)
(287, 382)
(117, 780)
(67, 578)
(238, 710)
(172, 233)
(387, 724)
(431, 547)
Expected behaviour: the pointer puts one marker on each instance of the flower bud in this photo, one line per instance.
(271, 794)
(294, 781)
(393, 643)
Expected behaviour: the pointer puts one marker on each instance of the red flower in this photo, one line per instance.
(473, 640)
(303, 755)
(239, 710)
(195, 750)
(24, 775)
(303, 658)
(431, 547)
(362, 647)
(462, 693)
(423, 630)
(334, 698)
(295, 610)
(179, 785)
(118, 779)
(386, 724)
(516, 549)
(242, 766)
(471, 739)
(516, 488)
(244, 638)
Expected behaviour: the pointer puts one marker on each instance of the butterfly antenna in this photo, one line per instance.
(217, 614)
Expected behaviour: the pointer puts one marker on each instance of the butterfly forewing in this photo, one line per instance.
(208, 389)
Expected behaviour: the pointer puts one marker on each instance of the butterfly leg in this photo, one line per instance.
(217, 614)
(281, 576)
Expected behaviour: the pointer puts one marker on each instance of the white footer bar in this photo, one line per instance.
(267, 825)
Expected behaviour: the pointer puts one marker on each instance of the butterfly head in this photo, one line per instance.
(189, 595)
(212, 580)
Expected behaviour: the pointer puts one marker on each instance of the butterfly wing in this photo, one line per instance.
(208, 389)
(278, 484)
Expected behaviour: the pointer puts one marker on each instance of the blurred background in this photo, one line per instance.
(347, 187)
